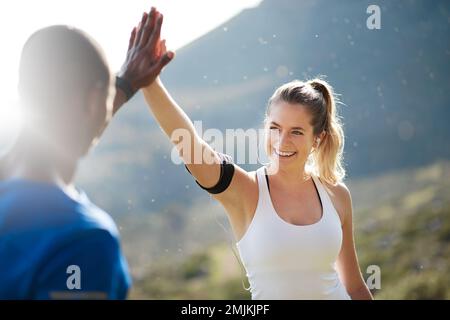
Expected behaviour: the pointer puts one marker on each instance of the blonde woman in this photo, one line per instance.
(293, 223)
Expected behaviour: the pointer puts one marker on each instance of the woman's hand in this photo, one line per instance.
(147, 54)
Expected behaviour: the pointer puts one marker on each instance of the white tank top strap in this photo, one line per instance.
(263, 196)
(327, 204)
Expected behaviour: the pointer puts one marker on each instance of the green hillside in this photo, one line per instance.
(406, 234)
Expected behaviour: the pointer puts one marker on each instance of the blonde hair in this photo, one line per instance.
(319, 98)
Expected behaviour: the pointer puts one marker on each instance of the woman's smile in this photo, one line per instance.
(284, 154)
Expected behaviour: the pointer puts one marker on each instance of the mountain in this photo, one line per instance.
(393, 84)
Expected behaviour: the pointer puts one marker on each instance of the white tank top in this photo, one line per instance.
(286, 261)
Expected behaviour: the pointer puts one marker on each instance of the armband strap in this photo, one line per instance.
(226, 175)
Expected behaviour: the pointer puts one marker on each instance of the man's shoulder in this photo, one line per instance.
(93, 217)
(26, 206)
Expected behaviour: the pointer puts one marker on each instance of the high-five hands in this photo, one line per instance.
(147, 54)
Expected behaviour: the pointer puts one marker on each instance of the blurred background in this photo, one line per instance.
(394, 84)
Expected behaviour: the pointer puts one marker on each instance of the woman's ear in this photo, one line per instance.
(320, 138)
(317, 142)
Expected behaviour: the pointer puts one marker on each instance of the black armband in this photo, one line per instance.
(226, 175)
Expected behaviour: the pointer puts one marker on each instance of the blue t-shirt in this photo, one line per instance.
(54, 247)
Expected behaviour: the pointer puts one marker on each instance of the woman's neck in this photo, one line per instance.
(289, 176)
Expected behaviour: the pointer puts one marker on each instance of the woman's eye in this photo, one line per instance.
(298, 133)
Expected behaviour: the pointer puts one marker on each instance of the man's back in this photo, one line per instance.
(53, 246)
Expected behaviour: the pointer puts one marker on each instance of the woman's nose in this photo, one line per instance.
(283, 138)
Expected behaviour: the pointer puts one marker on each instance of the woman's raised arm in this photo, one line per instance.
(204, 163)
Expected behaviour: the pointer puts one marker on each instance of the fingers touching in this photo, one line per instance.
(147, 54)
(140, 29)
(148, 27)
(155, 35)
(132, 39)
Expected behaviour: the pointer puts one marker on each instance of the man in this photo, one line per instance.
(54, 242)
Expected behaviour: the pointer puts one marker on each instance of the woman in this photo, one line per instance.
(293, 221)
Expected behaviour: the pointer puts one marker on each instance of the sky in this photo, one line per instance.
(109, 22)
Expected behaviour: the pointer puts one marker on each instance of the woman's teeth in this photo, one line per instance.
(284, 154)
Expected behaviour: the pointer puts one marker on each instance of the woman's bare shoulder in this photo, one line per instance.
(243, 189)
(340, 197)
